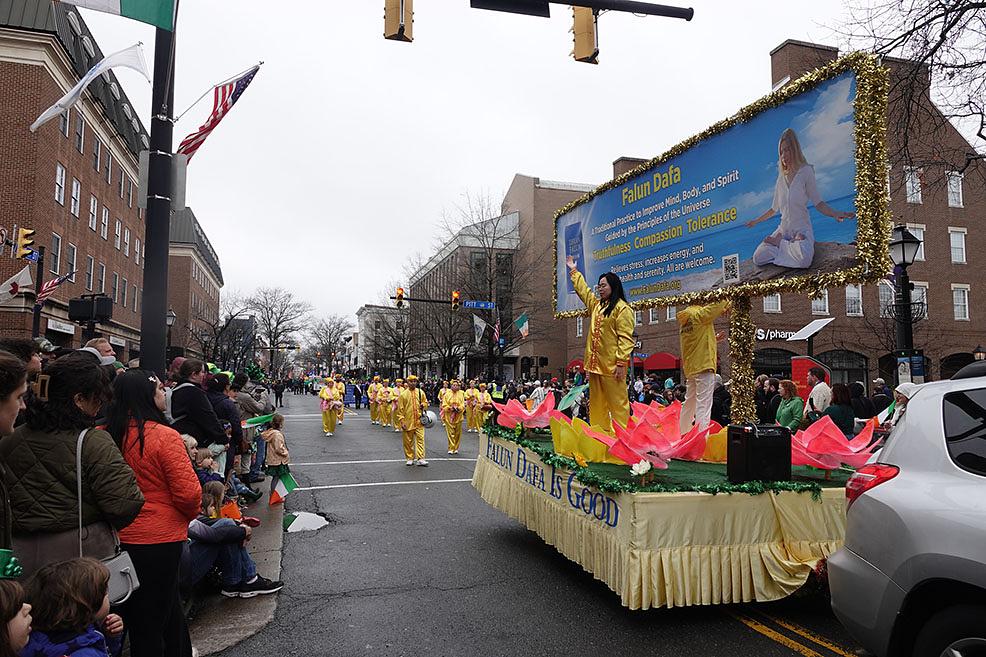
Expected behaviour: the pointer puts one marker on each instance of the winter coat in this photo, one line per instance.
(41, 481)
(247, 405)
(195, 415)
(91, 643)
(226, 409)
(277, 449)
(169, 484)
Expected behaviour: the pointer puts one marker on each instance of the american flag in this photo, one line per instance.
(496, 331)
(49, 287)
(224, 96)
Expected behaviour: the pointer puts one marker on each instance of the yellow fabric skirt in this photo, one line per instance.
(666, 549)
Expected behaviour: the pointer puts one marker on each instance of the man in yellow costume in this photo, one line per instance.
(608, 345)
(371, 396)
(330, 403)
(383, 403)
(696, 328)
(395, 397)
(341, 393)
(470, 394)
(484, 404)
(411, 405)
(453, 408)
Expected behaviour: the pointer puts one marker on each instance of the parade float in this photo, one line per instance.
(647, 508)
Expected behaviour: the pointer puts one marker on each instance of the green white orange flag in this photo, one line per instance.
(160, 13)
(285, 484)
(257, 421)
(885, 415)
(523, 325)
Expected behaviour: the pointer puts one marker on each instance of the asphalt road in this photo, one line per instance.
(413, 563)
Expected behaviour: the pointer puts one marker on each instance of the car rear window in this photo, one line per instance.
(965, 429)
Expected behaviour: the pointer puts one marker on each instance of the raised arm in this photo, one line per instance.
(581, 288)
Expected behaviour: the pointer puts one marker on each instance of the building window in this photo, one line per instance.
(919, 297)
(123, 180)
(117, 234)
(109, 167)
(956, 239)
(820, 304)
(123, 293)
(772, 303)
(90, 271)
(137, 250)
(80, 132)
(93, 212)
(63, 123)
(854, 301)
(102, 278)
(917, 230)
(578, 327)
(886, 299)
(70, 253)
(954, 189)
(960, 301)
(105, 226)
(56, 253)
(126, 242)
(60, 184)
(130, 192)
(76, 197)
(638, 317)
(135, 298)
(115, 289)
(672, 313)
(912, 184)
(97, 150)
(652, 316)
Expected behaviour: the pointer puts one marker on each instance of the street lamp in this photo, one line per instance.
(979, 353)
(170, 318)
(903, 250)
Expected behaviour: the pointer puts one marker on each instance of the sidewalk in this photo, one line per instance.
(223, 622)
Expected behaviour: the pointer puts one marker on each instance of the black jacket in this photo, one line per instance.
(195, 415)
(226, 410)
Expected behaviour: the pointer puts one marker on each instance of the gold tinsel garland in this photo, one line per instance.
(872, 212)
(742, 336)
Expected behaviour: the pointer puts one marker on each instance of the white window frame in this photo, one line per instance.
(850, 312)
(137, 250)
(912, 184)
(770, 310)
(954, 184)
(80, 132)
(90, 272)
(97, 154)
(115, 288)
(123, 178)
(109, 167)
(135, 298)
(59, 184)
(71, 261)
(917, 296)
(117, 234)
(55, 254)
(964, 288)
(638, 317)
(130, 192)
(63, 121)
(651, 313)
(919, 231)
(126, 242)
(102, 278)
(104, 227)
(124, 286)
(93, 212)
(76, 200)
(578, 326)
(884, 309)
(957, 230)
(824, 296)
(672, 313)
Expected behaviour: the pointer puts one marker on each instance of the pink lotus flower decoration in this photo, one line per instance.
(513, 413)
(824, 446)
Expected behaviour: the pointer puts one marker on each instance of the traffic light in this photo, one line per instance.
(584, 33)
(400, 297)
(25, 240)
(398, 18)
(455, 300)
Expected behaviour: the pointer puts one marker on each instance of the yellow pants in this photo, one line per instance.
(393, 417)
(470, 417)
(414, 444)
(329, 421)
(374, 412)
(454, 431)
(608, 402)
(342, 411)
(383, 412)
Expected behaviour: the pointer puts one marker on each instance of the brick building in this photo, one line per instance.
(938, 205)
(195, 279)
(74, 181)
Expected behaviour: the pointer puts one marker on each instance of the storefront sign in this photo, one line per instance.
(119, 342)
(61, 327)
(767, 335)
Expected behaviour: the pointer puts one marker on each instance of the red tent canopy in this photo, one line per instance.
(662, 360)
(575, 362)
(638, 361)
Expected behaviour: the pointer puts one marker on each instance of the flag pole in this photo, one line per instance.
(218, 84)
(40, 275)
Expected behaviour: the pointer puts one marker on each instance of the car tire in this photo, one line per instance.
(950, 626)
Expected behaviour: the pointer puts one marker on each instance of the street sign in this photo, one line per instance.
(503, 342)
(32, 256)
(479, 305)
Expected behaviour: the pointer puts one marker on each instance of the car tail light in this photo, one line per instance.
(866, 478)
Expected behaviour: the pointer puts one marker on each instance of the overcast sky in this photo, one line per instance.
(336, 164)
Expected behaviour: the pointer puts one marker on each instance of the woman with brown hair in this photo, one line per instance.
(792, 407)
(15, 618)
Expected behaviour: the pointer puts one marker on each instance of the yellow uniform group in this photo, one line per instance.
(453, 401)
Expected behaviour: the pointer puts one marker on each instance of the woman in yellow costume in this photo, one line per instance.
(330, 403)
(341, 392)
(371, 396)
(409, 409)
(383, 403)
(395, 397)
(608, 345)
(453, 407)
(484, 404)
(470, 394)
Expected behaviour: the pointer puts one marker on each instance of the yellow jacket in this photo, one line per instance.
(328, 393)
(610, 339)
(469, 395)
(341, 389)
(483, 399)
(453, 401)
(395, 393)
(409, 408)
(698, 337)
(371, 392)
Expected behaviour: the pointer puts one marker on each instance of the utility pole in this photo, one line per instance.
(153, 338)
(39, 279)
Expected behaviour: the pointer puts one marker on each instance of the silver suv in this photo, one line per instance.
(911, 579)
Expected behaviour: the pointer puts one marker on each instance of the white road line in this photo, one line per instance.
(385, 483)
(350, 414)
(374, 461)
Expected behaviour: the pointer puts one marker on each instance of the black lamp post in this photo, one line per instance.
(169, 319)
(979, 354)
(903, 250)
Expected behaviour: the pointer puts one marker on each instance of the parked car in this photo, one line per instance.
(911, 578)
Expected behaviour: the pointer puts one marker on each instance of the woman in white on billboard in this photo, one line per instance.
(793, 243)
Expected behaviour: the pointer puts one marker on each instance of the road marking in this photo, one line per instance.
(775, 636)
(373, 461)
(348, 415)
(811, 636)
(385, 483)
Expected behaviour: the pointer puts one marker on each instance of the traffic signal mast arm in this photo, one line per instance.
(441, 301)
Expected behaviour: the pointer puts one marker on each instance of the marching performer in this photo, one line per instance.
(330, 405)
(608, 345)
(696, 328)
(341, 392)
(453, 408)
(395, 397)
(470, 396)
(483, 407)
(383, 403)
(371, 395)
(411, 405)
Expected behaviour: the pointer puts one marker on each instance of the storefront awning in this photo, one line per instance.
(577, 362)
(662, 360)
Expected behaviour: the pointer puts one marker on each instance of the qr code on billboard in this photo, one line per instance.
(730, 268)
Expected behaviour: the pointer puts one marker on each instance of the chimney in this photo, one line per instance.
(792, 59)
(623, 164)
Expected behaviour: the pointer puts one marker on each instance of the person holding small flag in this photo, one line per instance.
(278, 456)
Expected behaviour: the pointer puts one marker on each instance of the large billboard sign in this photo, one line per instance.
(788, 195)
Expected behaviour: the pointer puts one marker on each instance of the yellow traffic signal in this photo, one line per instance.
(455, 300)
(400, 297)
(398, 19)
(584, 33)
(25, 240)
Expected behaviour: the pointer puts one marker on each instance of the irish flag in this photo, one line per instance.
(285, 484)
(257, 421)
(160, 13)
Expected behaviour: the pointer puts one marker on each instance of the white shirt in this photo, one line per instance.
(821, 396)
(791, 200)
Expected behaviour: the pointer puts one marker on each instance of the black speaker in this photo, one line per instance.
(758, 453)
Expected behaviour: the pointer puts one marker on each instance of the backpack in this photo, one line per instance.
(168, 392)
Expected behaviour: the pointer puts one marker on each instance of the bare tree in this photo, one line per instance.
(225, 338)
(326, 336)
(391, 344)
(280, 319)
